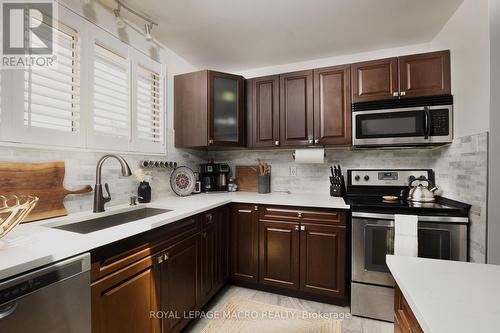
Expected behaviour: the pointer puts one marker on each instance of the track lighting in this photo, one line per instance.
(147, 31)
(120, 23)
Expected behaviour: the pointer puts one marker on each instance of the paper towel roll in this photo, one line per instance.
(310, 156)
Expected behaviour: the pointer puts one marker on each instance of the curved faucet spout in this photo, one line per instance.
(99, 198)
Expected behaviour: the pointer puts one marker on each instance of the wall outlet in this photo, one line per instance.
(293, 171)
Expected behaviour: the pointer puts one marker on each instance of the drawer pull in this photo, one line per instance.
(244, 211)
(299, 214)
(297, 227)
(159, 259)
(256, 208)
(303, 227)
(165, 256)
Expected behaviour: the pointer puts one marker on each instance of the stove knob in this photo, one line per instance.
(367, 178)
(357, 178)
(410, 179)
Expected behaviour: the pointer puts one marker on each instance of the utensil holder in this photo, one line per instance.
(265, 184)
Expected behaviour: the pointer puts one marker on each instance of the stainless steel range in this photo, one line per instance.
(442, 233)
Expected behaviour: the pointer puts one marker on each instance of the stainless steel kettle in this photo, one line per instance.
(421, 193)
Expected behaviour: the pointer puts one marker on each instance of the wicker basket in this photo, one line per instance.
(13, 210)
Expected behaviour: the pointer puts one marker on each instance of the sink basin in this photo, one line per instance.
(88, 226)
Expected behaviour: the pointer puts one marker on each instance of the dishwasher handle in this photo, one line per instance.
(7, 309)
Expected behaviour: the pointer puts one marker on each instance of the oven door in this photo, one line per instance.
(373, 239)
(404, 126)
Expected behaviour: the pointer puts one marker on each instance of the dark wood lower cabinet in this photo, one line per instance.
(209, 256)
(404, 319)
(177, 282)
(122, 301)
(244, 243)
(322, 259)
(279, 254)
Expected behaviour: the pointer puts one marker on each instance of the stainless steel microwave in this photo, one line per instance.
(403, 123)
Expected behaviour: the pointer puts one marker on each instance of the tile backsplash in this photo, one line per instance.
(460, 168)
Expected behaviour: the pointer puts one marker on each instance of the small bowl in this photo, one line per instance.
(390, 198)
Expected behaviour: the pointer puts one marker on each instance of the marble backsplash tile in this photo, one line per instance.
(460, 170)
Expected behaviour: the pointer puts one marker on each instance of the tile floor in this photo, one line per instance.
(349, 325)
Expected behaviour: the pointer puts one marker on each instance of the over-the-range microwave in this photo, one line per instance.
(403, 123)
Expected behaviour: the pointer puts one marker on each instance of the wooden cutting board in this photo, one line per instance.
(44, 180)
(247, 178)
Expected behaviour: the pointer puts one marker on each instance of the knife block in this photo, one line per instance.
(338, 190)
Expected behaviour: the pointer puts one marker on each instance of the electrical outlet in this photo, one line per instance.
(293, 171)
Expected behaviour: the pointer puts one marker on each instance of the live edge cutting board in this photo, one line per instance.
(44, 180)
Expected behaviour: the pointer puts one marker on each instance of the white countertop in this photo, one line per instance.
(449, 296)
(35, 244)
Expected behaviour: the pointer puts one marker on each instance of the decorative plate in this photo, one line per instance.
(183, 181)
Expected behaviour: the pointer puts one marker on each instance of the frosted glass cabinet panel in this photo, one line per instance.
(226, 116)
(225, 109)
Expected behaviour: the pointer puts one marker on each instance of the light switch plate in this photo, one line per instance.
(293, 171)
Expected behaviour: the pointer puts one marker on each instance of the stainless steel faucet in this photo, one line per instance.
(99, 198)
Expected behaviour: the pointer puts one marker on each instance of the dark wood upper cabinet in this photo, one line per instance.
(264, 102)
(322, 259)
(209, 110)
(332, 105)
(296, 109)
(425, 74)
(375, 80)
(244, 242)
(279, 253)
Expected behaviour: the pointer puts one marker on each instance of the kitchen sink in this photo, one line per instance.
(88, 226)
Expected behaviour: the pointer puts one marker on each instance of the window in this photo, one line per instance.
(52, 95)
(111, 93)
(149, 120)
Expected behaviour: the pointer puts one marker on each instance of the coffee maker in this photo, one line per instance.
(214, 176)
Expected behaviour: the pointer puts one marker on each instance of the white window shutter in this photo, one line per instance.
(148, 105)
(46, 101)
(110, 91)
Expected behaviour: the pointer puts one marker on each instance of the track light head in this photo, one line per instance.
(120, 23)
(147, 31)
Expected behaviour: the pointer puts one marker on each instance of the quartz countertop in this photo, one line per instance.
(36, 244)
(449, 296)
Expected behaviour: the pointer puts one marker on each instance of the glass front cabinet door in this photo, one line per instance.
(226, 103)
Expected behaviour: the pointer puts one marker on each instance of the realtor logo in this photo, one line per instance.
(27, 34)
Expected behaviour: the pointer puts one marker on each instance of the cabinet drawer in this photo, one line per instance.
(303, 214)
(115, 256)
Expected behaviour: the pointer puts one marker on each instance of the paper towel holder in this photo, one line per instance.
(293, 155)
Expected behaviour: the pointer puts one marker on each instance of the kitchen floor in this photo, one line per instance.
(349, 325)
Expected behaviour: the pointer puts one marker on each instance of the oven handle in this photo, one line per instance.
(446, 219)
(427, 120)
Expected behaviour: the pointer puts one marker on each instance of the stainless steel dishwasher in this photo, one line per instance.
(54, 299)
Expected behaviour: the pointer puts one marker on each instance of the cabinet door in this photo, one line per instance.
(375, 80)
(265, 111)
(279, 254)
(296, 109)
(244, 243)
(322, 259)
(178, 282)
(122, 301)
(225, 111)
(332, 105)
(208, 257)
(425, 74)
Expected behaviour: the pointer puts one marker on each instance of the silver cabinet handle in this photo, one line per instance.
(299, 214)
(316, 141)
(276, 143)
(403, 93)
(302, 227)
(210, 142)
(7, 309)
(165, 256)
(311, 141)
(159, 259)
(255, 207)
(395, 94)
(297, 227)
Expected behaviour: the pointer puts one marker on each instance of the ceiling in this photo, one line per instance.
(235, 35)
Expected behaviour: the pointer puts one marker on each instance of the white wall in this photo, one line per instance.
(493, 242)
(466, 34)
